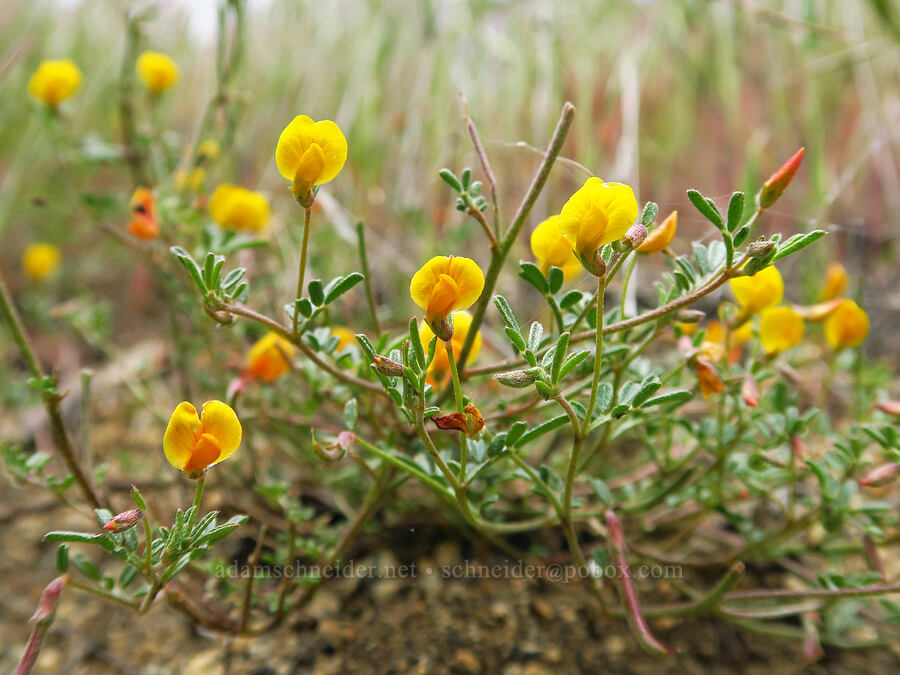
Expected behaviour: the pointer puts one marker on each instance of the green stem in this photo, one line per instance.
(626, 281)
(457, 395)
(367, 275)
(301, 273)
(598, 354)
(102, 593)
(198, 495)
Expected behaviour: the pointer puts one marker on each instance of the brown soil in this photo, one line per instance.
(425, 624)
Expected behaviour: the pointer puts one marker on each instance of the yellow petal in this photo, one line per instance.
(156, 71)
(266, 358)
(662, 236)
(206, 451)
(597, 214)
(763, 289)
(54, 81)
(439, 370)
(312, 163)
(237, 208)
(219, 420)
(296, 139)
(465, 273)
(181, 435)
(835, 281)
(847, 326)
(551, 249)
(40, 260)
(780, 328)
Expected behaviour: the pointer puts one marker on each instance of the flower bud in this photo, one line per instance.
(635, 235)
(750, 391)
(689, 316)
(470, 422)
(387, 367)
(124, 521)
(760, 249)
(779, 180)
(46, 608)
(883, 475)
(515, 378)
(890, 407)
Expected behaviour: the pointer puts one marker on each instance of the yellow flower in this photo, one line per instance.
(345, 337)
(715, 332)
(551, 249)
(597, 214)
(40, 260)
(835, 281)
(439, 370)
(310, 153)
(662, 236)
(209, 150)
(269, 357)
(847, 326)
(236, 208)
(54, 81)
(754, 294)
(192, 443)
(192, 179)
(446, 284)
(780, 328)
(156, 71)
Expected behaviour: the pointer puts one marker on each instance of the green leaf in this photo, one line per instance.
(648, 215)
(572, 362)
(515, 432)
(337, 287)
(350, 414)
(707, 208)
(85, 566)
(735, 210)
(679, 396)
(797, 242)
(535, 334)
(416, 343)
(62, 558)
(741, 235)
(516, 338)
(191, 266)
(450, 179)
(128, 575)
(508, 317)
(570, 299)
(542, 429)
(604, 396)
(559, 355)
(316, 292)
(533, 276)
(81, 537)
(648, 388)
(555, 278)
(601, 489)
(366, 346)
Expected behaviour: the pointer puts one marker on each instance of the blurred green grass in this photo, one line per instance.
(713, 95)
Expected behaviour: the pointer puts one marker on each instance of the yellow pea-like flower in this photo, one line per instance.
(551, 249)
(446, 284)
(715, 332)
(310, 153)
(780, 328)
(54, 81)
(754, 294)
(662, 236)
(193, 442)
(156, 71)
(40, 260)
(847, 325)
(439, 370)
(345, 336)
(236, 208)
(269, 357)
(209, 150)
(597, 214)
(835, 281)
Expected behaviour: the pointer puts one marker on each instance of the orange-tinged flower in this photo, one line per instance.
(269, 357)
(597, 214)
(156, 71)
(835, 281)
(143, 223)
(847, 326)
(754, 294)
(710, 382)
(779, 180)
(40, 260)
(236, 208)
(193, 442)
(780, 328)
(54, 81)
(310, 153)
(446, 284)
(661, 236)
(551, 249)
(439, 370)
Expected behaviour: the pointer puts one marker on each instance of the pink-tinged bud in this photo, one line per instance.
(890, 407)
(812, 648)
(779, 180)
(750, 391)
(873, 558)
(387, 367)
(635, 235)
(883, 475)
(799, 450)
(235, 388)
(46, 608)
(332, 452)
(124, 521)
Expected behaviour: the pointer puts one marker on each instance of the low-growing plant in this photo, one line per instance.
(648, 434)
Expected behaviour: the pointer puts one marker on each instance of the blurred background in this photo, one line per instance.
(670, 95)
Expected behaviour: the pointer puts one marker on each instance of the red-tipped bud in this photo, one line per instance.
(124, 521)
(890, 407)
(779, 180)
(46, 607)
(883, 475)
(750, 391)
